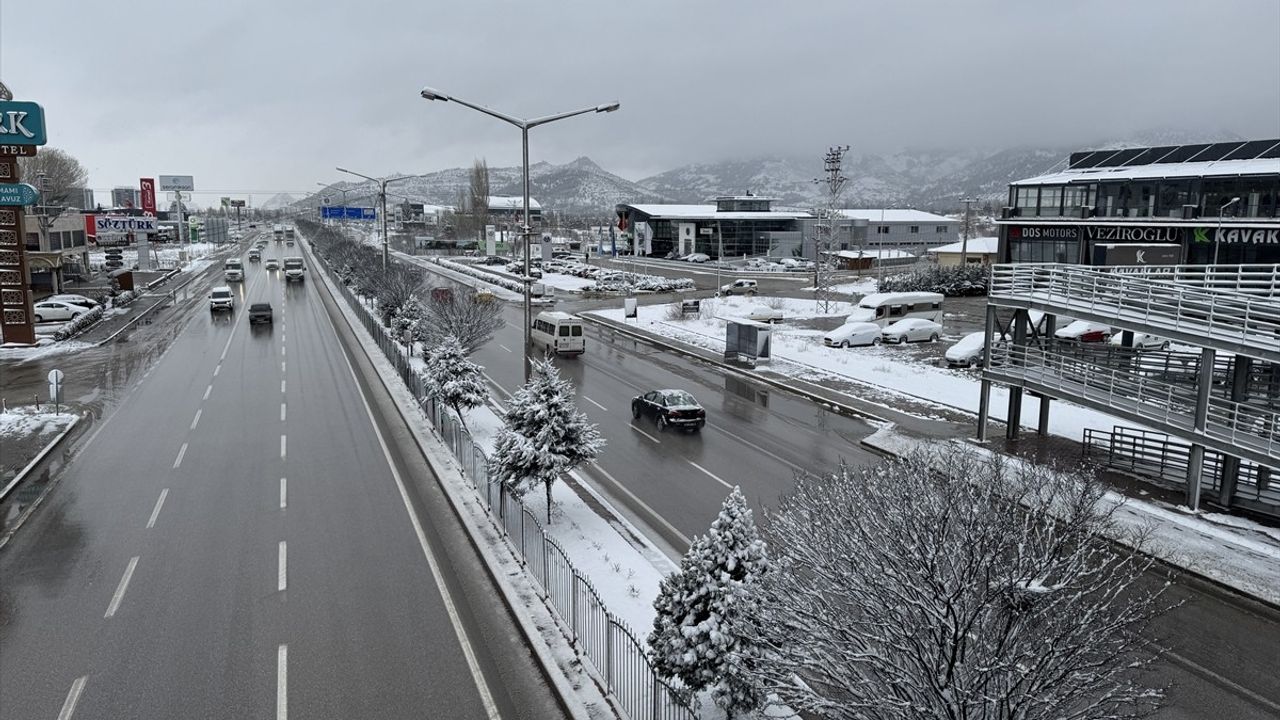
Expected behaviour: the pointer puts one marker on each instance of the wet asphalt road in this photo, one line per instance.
(232, 541)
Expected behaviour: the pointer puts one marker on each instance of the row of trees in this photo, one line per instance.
(931, 586)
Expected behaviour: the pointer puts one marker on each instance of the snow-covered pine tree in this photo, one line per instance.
(453, 379)
(545, 434)
(699, 634)
(406, 319)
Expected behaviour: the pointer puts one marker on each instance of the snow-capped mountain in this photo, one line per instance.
(278, 201)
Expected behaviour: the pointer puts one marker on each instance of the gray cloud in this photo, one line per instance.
(264, 97)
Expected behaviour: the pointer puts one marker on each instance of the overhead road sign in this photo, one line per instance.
(22, 123)
(18, 194)
(177, 182)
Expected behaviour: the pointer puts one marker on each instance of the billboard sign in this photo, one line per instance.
(177, 182)
(18, 194)
(237, 203)
(148, 195)
(22, 123)
(106, 224)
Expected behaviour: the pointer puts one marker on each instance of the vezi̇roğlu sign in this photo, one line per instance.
(105, 224)
(21, 123)
(18, 194)
(1138, 233)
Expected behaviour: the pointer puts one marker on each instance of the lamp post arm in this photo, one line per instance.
(559, 116)
(490, 112)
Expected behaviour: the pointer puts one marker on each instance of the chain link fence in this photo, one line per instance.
(596, 634)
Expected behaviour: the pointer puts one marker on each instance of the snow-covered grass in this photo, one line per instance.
(26, 421)
(44, 347)
(802, 355)
(166, 255)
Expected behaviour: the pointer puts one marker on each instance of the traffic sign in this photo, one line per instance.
(18, 194)
(22, 123)
(55, 376)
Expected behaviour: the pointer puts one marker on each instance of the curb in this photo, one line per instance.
(568, 699)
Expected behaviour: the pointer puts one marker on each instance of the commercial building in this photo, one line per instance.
(740, 224)
(510, 209)
(901, 229)
(81, 199)
(57, 250)
(1128, 239)
(1194, 204)
(976, 251)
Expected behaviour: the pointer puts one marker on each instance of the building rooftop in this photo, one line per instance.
(879, 253)
(894, 215)
(1213, 168)
(504, 202)
(979, 246)
(708, 212)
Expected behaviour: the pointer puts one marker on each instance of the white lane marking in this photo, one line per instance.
(217, 370)
(633, 427)
(593, 402)
(1271, 704)
(282, 385)
(282, 581)
(73, 697)
(654, 513)
(284, 350)
(504, 347)
(284, 494)
(207, 391)
(710, 474)
(178, 460)
(477, 676)
(281, 367)
(156, 512)
(282, 682)
(196, 420)
(282, 412)
(282, 447)
(124, 585)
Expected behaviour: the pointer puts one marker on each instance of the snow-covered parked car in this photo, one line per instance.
(853, 334)
(762, 313)
(1084, 331)
(968, 352)
(911, 330)
(56, 310)
(1141, 341)
(696, 257)
(74, 299)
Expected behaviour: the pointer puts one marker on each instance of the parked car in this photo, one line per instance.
(696, 257)
(739, 287)
(762, 313)
(911, 330)
(271, 264)
(55, 310)
(80, 300)
(968, 352)
(260, 313)
(1084, 331)
(675, 408)
(853, 334)
(494, 260)
(1141, 341)
(221, 298)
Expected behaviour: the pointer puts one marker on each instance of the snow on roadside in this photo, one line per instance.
(27, 421)
(43, 349)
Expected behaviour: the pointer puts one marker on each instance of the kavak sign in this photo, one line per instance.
(1242, 236)
(106, 224)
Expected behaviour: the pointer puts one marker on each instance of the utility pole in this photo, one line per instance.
(826, 230)
(964, 243)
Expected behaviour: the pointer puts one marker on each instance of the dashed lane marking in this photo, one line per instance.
(73, 697)
(207, 391)
(196, 420)
(177, 462)
(282, 682)
(282, 412)
(282, 580)
(283, 447)
(284, 494)
(593, 402)
(122, 587)
(155, 513)
(633, 427)
(710, 474)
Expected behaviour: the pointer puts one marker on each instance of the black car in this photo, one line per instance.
(494, 260)
(675, 408)
(260, 313)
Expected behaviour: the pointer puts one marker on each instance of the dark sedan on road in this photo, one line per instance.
(675, 408)
(260, 313)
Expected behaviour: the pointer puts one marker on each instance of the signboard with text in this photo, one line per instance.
(21, 123)
(148, 195)
(177, 182)
(18, 194)
(105, 224)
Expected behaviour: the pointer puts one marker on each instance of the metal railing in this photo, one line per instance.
(1165, 459)
(1252, 427)
(598, 635)
(1249, 322)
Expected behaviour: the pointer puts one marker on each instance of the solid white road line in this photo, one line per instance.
(124, 585)
(504, 347)
(284, 494)
(282, 580)
(1227, 682)
(653, 513)
(282, 447)
(710, 474)
(73, 697)
(282, 385)
(282, 682)
(633, 427)
(178, 460)
(196, 420)
(156, 512)
(282, 412)
(593, 402)
(482, 687)
(207, 391)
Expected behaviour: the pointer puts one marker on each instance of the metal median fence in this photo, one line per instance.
(612, 648)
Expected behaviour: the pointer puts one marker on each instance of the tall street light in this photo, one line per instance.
(524, 125)
(382, 198)
(1217, 239)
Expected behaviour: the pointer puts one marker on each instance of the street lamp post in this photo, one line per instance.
(1217, 238)
(525, 125)
(382, 199)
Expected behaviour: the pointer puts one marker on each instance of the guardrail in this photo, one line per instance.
(611, 647)
(1250, 321)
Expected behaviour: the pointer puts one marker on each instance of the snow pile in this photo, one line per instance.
(27, 421)
(43, 348)
(474, 272)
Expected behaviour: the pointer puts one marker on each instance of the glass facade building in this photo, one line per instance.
(741, 225)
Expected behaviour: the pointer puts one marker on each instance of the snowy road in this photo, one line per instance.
(236, 541)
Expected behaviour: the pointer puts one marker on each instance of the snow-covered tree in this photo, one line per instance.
(473, 322)
(701, 634)
(453, 379)
(545, 434)
(948, 585)
(406, 320)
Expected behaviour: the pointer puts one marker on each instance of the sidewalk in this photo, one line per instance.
(1226, 550)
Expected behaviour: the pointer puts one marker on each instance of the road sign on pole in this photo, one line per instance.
(55, 388)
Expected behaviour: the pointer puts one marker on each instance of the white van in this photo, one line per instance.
(233, 270)
(559, 333)
(885, 308)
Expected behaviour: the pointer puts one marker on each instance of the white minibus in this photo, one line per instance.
(559, 333)
(885, 308)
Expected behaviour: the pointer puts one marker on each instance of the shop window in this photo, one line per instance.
(940, 229)
(915, 230)
(1051, 201)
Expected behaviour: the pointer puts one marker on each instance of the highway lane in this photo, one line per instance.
(233, 543)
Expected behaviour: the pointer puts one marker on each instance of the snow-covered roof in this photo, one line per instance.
(708, 212)
(503, 202)
(889, 215)
(1217, 168)
(979, 246)
(880, 253)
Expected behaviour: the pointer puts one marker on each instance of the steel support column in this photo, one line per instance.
(1195, 463)
(1230, 466)
(984, 394)
(1014, 418)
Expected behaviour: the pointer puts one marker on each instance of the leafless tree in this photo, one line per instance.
(460, 315)
(63, 170)
(945, 586)
(394, 287)
(479, 204)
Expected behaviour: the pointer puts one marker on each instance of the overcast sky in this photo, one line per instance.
(262, 96)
